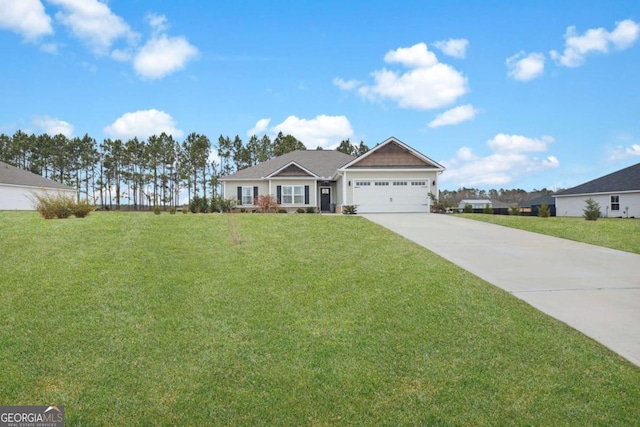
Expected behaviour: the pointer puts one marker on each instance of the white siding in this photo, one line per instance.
(18, 198)
(575, 205)
(353, 175)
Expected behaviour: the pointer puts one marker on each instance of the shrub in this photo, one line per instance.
(185, 209)
(514, 210)
(243, 210)
(543, 210)
(172, 210)
(467, 208)
(311, 209)
(220, 204)
(267, 203)
(349, 209)
(300, 210)
(81, 209)
(487, 209)
(592, 210)
(157, 210)
(53, 205)
(282, 211)
(198, 204)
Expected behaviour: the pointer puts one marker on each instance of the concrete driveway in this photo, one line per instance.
(592, 289)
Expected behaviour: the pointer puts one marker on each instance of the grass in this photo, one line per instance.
(614, 233)
(142, 319)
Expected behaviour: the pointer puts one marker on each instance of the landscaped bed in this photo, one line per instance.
(616, 233)
(265, 319)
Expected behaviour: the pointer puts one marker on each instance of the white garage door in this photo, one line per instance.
(386, 195)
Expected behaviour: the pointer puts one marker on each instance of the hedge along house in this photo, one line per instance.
(17, 187)
(391, 177)
(618, 195)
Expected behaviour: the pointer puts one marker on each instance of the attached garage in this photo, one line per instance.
(397, 195)
(17, 187)
(392, 177)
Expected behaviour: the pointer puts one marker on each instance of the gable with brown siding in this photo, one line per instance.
(394, 156)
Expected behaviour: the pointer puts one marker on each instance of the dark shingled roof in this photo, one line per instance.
(549, 200)
(15, 176)
(323, 163)
(627, 179)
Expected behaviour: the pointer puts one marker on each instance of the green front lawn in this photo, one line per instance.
(616, 233)
(250, 319)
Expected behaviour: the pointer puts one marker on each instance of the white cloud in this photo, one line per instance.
(525, 67)
(143, 124)
(621, 153)
(25, 17)
(162, 56)
(427, 84)
(596, 40)
(53, 126)
(454, 116)
(346, 84)
(94, 23)
(416, 56)
(51, 48)
(518, 143)
(453, 47)
(323, 131)
(158, 23)
(261, 127)
(508, 162)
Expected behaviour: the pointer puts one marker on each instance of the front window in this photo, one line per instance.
(615, 203)
(247, 195)
(292, 194)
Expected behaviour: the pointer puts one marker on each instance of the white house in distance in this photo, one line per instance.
(17, 187)
(391, 177)
(618, 195)
(475, 203)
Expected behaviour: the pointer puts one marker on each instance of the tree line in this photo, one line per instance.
(451, 198)
(144, 173)
(154, 172)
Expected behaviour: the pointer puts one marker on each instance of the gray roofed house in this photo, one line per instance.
(18, 185)
(391, 177)
(321, 163)
(531, 207)
(617, 193)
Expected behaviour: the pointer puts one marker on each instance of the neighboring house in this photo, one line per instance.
(475, 203)
(618, 195)
(531, 207)
(391, 177)
(17, 187)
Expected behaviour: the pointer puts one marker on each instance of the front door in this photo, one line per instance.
(325, 198)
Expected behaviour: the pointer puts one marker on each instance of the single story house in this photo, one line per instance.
(618, 195)
(17, 187)
(391, 177)
(531, 207)
(475, 203)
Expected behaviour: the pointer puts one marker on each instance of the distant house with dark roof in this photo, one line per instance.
(618, 195)
(17, 187)
(531, 207)
(391, 177)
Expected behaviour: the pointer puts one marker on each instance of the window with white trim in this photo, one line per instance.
(615, 203)
(247, 195)
(292, 194)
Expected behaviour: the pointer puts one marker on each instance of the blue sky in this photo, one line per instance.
(505, 94)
